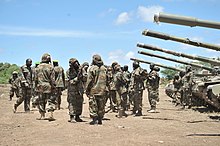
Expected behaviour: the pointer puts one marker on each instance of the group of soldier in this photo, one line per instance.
(183, 83)
(102, 84)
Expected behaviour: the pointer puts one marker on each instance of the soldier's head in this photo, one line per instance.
(188, 68)
(15, 74)
(182, 73)
(117, 67)
(109, 68)
(28, 62)
(135, 65)
(85, 65)
(152, 65)
(113, 64)
(55, 63)
(25, 73)
(46, 58)
(125, 68)
(155, 68)
(176, 76)
(74, 63)
(97, 60)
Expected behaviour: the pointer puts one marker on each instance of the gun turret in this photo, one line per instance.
(184, 20)
(200, 58)
(157, 64)
(181, 40)
(175, 60)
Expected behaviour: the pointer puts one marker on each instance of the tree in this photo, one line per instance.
(6, 70)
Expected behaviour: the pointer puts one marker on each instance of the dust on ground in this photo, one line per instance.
(170, 126)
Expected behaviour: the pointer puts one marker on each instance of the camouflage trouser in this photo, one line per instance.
(153, 96)
(137, 97)
(45, 98)
(26, 97)
(14, 91)
(186, 97)
(124, 101)
(58, 95)
(75, 101)
(118, 99)
(97, 106)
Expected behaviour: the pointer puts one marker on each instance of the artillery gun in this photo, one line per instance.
(207, 90)
(179, 39)
(200, 58)
(184, 20)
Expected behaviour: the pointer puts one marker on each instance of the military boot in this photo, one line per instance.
(15, 108)
(51, 118)
(71, 120)
(100, 120)
(77, 118)
(42, 116)
(94, 121)
(139, 113)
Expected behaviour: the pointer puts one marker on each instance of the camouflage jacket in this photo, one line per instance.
(97, 81)
(137, 79)
(187, 79)
(153, 80)
(177, 83)
(127, 76)
(59, 76)
(75, 80)
(12, 82)
(45, 78)
(120, 82)
(30, 76)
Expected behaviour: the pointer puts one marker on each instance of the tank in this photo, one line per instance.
(175, 60)
(185, 20)
(179, 39)
(200, 58)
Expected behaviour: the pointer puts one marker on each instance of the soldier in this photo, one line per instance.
(13, 88)
(127, 76)
(60, 82)
(136, 87)
(177, 85)
(45, 86)
(35, 98)
(29, 79)
(121, 99)
(186, 92)
(153, 87)
(75, 90)
(96, 87)
(23, 85)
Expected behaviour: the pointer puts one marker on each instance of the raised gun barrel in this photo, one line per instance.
(200, 58)
(184, 20)
(178, 39)
(157, 64)
(175, 60)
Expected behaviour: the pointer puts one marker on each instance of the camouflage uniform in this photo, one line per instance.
(96, 87)
(74, 90)
(153, 88)
(177, 82)
(35, 98)
(27, 90)
(126, 95)
(13, 88)
(136, 87)
(45, 85)
(186, 90)
(121, 91)
(60, 83)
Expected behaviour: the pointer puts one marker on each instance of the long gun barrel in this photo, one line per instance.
(200, 58)
(157, 64)
(181, 40)
(174, 60)
(184, 20)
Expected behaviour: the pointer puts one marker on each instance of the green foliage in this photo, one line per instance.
(6, 70)
(168, 73)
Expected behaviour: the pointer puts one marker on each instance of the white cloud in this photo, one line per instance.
(129, 55)
(122, 18)
(146, 14)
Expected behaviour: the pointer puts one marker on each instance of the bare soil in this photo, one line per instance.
(170, 126)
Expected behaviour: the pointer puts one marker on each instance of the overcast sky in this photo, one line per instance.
(78, 29)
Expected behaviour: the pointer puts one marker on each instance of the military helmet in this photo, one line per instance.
(156, 68)
(125, 68)
(114, 63)
(117, 67)
(46, 58)
(14, 72)
(135, 64)
(188, 68)
(176, 76)
(96, 59)
(73, 60)
(182, 73)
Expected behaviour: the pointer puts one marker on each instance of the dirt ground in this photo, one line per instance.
(170, 126)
